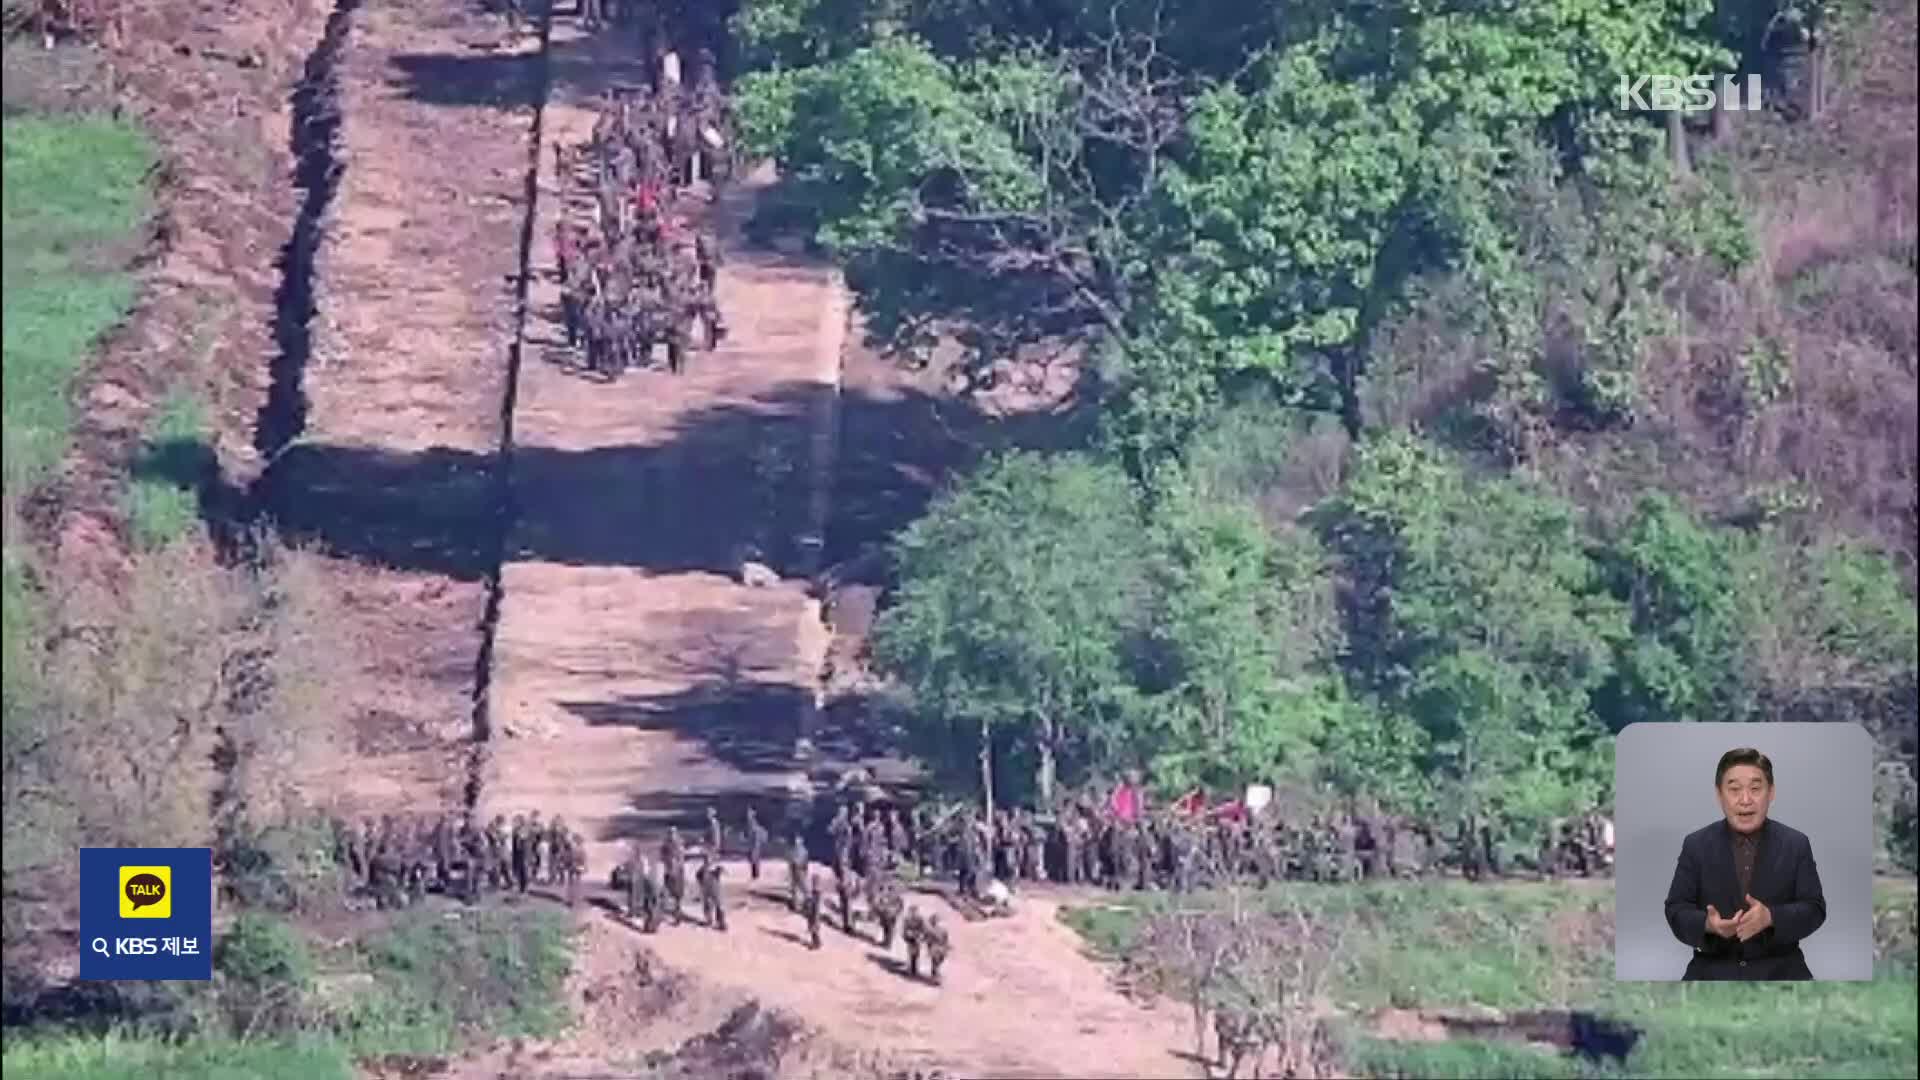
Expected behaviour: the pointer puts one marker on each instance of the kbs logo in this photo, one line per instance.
(146, 892)
(1690, 93)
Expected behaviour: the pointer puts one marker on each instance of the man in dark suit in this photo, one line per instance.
(1761, 872)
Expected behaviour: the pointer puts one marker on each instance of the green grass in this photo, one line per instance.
(439, 981)
(73, 199)
(133, 1057)
(429, 982)
(162, 500)
(1520, 945)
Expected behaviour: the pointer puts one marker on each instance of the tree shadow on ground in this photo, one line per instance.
(487, 76)
(748, 728)
(687, 504)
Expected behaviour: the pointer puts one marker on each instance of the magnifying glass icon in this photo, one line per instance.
(100, 946)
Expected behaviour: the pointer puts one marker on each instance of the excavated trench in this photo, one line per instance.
(503, 468)
(239, 516)
(317, 168)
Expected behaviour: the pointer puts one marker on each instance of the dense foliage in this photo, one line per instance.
(1431, 226)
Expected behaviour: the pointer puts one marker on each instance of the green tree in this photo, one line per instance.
(1476, 611)
(1020, 594)
(1239, 642)
(1680, 580)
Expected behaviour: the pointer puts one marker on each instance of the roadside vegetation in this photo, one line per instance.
(1398, 960)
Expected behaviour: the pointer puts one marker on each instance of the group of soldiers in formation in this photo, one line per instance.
(634, 272)
(1085, 845)
(656, 888)
(397, 859)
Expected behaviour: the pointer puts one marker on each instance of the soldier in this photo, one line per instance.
(384, 872)
(540, 860)
(369, 845)
(796, 871)
(1388, 832)
(710, 906)
(840, 830)
(756, 842)
(1551, 848)
(713, 832)
(706, 253)
(972, 858)
(1141, 845)
(559, 858)
(1467, 848)
(887, 905)
(499, 851)
(652, 897)
(810, 907)
(635, 870)
(1366, 847)
(899, 838)
(914, 932)
(874, 848)
(419, 851)
(937, 946)
(473, 847)
(1071, 841)
(522, 853)
(845, 884)
(346, 851)
(674, 870)
(576, 866)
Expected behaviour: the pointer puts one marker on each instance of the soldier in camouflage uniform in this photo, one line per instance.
(713, 832)
(756, 843)
(887, 906)
(522, 854)
(845, 884)
(937, 947)
(796, 871)
(840, 831)
(499, 852)
(559, 855)
(539, 860)
(810, 907)
(899, 841)
(1071, 840)
(712, 910)
(913, 931)
(673, 868)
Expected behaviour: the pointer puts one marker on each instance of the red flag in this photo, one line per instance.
(1125, 803)
(1191, 803)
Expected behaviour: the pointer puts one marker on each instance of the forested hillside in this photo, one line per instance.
(1450, 416)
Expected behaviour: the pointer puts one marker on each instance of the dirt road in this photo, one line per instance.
(636, 681)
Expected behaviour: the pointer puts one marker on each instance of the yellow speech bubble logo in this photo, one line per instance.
(146, 892)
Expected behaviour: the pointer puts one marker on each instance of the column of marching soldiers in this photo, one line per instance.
(876, 846)
(634, 273)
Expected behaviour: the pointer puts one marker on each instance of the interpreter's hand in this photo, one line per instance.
(1721, 926)
(1753, 921)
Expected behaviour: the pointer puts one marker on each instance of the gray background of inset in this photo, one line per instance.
(1663, 790)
